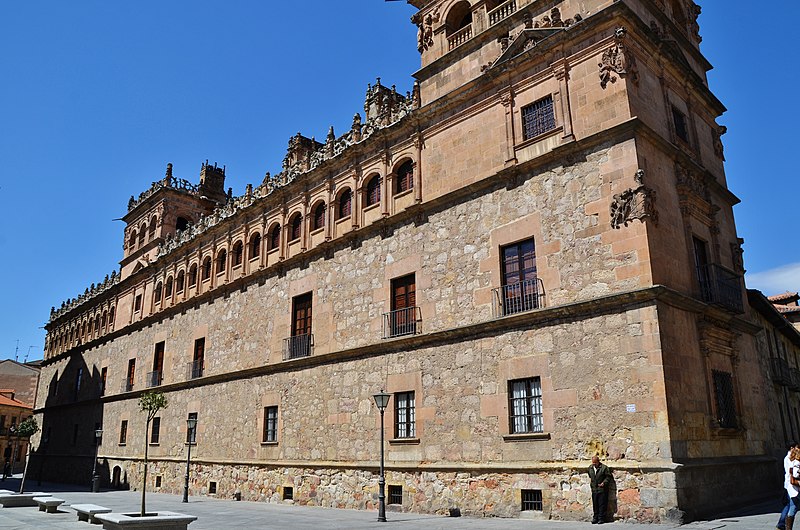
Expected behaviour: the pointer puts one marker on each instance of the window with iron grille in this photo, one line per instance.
(155, 430)
(726, 403)
(373, 193)
(405, 177)
(123, 432)
(404, 421)
(532, 500)
(538, 118)
(395, 494)
(520, 286)
(525, 405)
(403, 317)
(270, 424)
(681, 128)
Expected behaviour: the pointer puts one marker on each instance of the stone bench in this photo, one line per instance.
(87, 512)
(48, 504)
(11, 500)
(152, 521)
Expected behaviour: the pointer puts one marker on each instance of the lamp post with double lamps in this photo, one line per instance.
(191, 424)
(98, 434)
(382, 400)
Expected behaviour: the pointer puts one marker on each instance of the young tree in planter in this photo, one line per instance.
(150, 403)
(26, 429)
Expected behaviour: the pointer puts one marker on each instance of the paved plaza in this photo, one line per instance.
(218, 514)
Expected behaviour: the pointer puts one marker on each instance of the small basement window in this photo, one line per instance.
(158, 481)
(212, 488)
(532, 500)
(395, 494)
(288, 493)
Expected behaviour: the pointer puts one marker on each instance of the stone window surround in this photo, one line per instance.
(397, 269)
(271, 399)
(407, 382)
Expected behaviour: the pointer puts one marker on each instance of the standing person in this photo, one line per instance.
(786, 500)
(792, 485)
(600, 479)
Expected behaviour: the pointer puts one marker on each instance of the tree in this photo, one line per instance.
(151, 403)
(26, 429)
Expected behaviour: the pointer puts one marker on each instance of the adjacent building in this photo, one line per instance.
(532, 250)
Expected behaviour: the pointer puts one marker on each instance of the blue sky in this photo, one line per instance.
(97, 97)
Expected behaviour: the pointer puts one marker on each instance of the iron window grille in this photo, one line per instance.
(538, 118)
(725, 400)
(270, 424)
(525, 405)
(395, 494)
(532, 501)
(404, 417)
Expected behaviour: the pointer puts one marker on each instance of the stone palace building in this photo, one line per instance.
(533, 251)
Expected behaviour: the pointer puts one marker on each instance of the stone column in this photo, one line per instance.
(418, 169)
(561, 71)
(507, 99)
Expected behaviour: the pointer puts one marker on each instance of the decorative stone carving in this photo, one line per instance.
(425, 29)
(618, 60)
(737, 255)
(717, 133)
(694, 11)
(634, 203)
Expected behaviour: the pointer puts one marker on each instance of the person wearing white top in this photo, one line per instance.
(790, 483)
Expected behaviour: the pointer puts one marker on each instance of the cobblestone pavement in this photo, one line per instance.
(217, 514)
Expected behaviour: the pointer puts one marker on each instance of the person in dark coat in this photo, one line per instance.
(600, 478)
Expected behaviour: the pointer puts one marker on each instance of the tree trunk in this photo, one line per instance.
(144, 474)
(25, 471)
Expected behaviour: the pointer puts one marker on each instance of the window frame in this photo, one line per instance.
(405, 415)
(404, 177)
(524, 416)
(726, 411)
(269, 432)
(372, 191)
(155, 431)
(538, 118)
(344, 208)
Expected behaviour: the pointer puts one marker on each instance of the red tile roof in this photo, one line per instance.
(788, 295)
(5, 400)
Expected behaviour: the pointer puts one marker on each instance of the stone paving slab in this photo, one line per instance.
(217, 514)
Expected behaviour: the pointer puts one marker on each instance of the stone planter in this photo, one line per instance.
(151, 521)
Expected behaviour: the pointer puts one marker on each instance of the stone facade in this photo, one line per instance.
(583, 132)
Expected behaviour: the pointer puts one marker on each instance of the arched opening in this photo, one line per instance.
(318, 216)
(142, 233)
(344, 204)
(181, 224)
(152, 234)
(157, 293)
(459, 17)
(132, 239)
(111, 319)
(238, 253)
(193, 275)
(295, 227)
(372, 192)
(116, 477)
(222, 260)
(274, 240)
(180, 280)
(168, 288)
(207, 268)
(404, 177)
(255, 245)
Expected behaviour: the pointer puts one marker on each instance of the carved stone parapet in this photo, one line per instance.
(618, 60)
(634, 203)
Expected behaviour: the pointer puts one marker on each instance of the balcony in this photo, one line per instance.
(298, 346)
(720, 286)
(406, 321)
(459, 37)
(127, 386)
(502, 11)
(518, 297)
(794, 379)
(153, 378)
(196, 368)
(779, 371)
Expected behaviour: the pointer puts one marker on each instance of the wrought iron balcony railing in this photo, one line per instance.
(127, 385)
(518, 297)
(154, 378)
(720, 286)
(779, 371)
(502, 11)
(196, 368)
(406, 321)
(298, 346)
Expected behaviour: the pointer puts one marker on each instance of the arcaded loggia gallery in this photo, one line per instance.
(528, 243)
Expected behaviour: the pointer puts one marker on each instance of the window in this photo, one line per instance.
(345, 204)
(525, 405)
(299, 344)
(181, 224)
(532, 501)
(404, 179)
(179, 282)
(726, 403)
(274, 240)
(702, 266)
(288, 493)
(132, 240)
(111, 319)
(295, 227)
(142, 232)
(404, 415)
(152, 233)
(270, 425)
(158, 481)
(193, 275)
(372, 194)
(78, 379)
(318, 216)
(155, 430)
(238, 253)
(74, 431)
(130, 376)
(191, 434)
(158, 365)
(255, 245)
(402, 320)
(395, 494)
(157, 293)
(538, 118)
(681, 127)
(212, 487)
(137, 303)
(103, 379)
(168, 288)
(198, 358)
(520, 286)
(207, 268)
(222, 260)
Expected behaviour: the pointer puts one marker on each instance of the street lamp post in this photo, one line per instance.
(98, 434)
(381, 400)
(191, 423)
